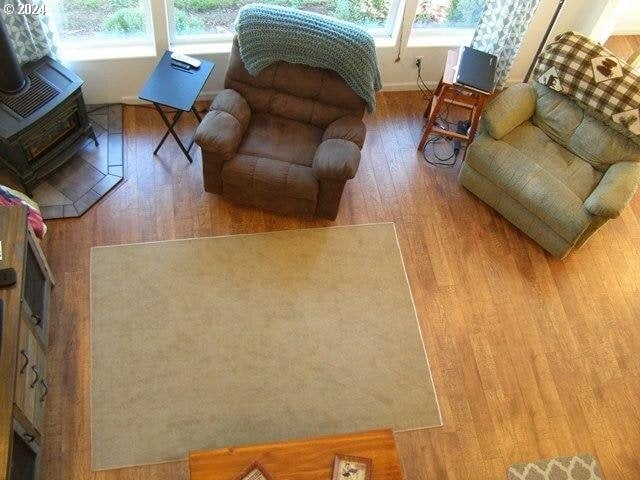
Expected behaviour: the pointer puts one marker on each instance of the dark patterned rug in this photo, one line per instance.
(91, 173)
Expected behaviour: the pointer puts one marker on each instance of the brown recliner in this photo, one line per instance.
(285, 140)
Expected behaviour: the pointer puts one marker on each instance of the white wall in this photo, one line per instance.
(117, 80)
(629, 22)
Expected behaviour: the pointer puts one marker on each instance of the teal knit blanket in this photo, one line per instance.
(269, 33)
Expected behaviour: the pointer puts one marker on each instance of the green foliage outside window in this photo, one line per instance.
(360, 11)
(125, 21)
(203, 5)
(88, 18)
(186, 24)
(449, 13)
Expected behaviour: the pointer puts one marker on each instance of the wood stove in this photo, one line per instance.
(43, 120)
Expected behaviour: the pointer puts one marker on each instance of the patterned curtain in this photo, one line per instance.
(502, 26)
(31, 33)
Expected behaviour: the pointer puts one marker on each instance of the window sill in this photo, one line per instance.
(428, 39)
(224, 46)
(384, 41)
(106, 53)
(203, 48)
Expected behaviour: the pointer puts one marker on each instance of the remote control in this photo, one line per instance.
(181, 57)
(7, 277)
(181, 65)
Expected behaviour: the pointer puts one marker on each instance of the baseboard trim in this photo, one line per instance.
(405, 86)
(131, 100)
(626, 31)
(207, 96)
(410, 86)
(387, 87)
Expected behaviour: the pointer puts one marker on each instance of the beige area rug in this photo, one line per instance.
(213, 342)
(576, 467)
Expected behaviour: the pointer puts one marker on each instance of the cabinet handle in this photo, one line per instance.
(35, 370)
(46, 390)
(28, 437)
(37, 318)
(26, 361)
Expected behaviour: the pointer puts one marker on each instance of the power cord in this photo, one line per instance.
(422, 86)
(447, 160)
(455, 146)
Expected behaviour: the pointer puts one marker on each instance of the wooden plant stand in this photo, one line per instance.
(449, 93)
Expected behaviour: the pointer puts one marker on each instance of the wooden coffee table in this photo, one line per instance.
(310, 459)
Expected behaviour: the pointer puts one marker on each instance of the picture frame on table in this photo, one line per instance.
(347, 467)
(255, 471)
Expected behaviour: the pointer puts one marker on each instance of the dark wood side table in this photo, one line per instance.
(176, 88)
(310, 459)
(448, 92)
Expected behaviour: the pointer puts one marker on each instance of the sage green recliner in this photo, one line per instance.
(549, 168)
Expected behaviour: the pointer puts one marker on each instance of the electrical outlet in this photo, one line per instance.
(418, 62)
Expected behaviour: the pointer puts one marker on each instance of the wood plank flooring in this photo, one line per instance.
(531, 357)
(624, 46)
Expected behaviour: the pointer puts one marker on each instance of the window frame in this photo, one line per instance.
(160, 35)
(387, 31)
(79, 45)
(440, 37)
(441, 33)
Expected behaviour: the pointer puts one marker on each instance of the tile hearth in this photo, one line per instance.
(91, 173)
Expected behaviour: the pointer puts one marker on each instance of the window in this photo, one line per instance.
(200, 20)
(89, 23)
(108, 28)
(448, 14)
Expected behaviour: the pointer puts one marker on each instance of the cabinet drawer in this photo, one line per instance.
(36, 290)
(41, 391)
(25, 359)
(29, 375)
(25, 453)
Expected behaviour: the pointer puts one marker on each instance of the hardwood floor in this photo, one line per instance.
(627, 47)
(531, 357)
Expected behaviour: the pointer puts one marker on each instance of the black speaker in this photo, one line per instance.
(7, 277)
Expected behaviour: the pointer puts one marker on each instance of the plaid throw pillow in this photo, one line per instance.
(576, 66)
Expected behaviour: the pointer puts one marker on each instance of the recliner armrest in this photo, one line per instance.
(222, 129)
(615, 190)
(336, 159)
(511, 108)
(347, 128)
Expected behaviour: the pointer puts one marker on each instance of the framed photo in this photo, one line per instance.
(255, 471)
(346, 467)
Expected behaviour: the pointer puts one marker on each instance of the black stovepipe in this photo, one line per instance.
(12, 79)
(552, 23)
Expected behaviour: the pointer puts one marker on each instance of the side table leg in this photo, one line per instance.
(92, 135)
(193, 137)
(196, 113)
(436, 93)
(171, 131)
(431, 120)
(477, 111)
(169, 125)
